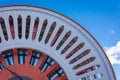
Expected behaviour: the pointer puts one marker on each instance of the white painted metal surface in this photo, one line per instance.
(85, 62)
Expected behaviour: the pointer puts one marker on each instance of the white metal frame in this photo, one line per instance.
(76, 30)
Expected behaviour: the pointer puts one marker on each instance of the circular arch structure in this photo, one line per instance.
(40, 44)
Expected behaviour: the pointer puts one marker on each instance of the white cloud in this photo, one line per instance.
(113, 53)
(112, 32)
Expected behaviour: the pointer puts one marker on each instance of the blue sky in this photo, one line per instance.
(101, 18)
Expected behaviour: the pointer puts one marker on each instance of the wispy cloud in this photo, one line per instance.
(114, 53)
(112, 32)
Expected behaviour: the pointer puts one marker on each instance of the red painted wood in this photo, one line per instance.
(15, 56)
(2, 59)
(61, 78)
(3, 72)
(29, 70)
(52, 69)
(35, 28)
(57, 36)
(12, 30)
(28, 56)
(39, 65)
(4, 75)
(41, 61)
